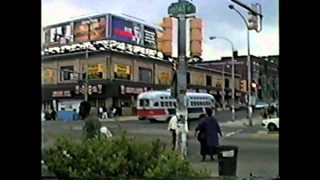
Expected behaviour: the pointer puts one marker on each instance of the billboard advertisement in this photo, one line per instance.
(58, 35)
(133, 33)
(92, 29)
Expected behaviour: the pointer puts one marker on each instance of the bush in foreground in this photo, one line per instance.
(119, 157)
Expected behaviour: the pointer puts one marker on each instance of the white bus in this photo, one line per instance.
(159, 106)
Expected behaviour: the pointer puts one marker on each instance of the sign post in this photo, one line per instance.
(180, 10)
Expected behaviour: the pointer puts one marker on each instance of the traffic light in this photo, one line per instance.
(243, 85)
(253, 20)
(254, 86)
(89, 90)
(164, 40)
(196, 38)
(235, 54)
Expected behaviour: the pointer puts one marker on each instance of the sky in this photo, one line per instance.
(218, 20)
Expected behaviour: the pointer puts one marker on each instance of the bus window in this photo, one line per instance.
(170, 104)
(156, 104)
(141, 102)
(161, 97)
(198, 103)
(167, 104)
(175, 104)
(162, 104)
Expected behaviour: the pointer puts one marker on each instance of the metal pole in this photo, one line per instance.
(86, 80)
(249, 79)
(223, 87)
(182, 79)
(233, 91)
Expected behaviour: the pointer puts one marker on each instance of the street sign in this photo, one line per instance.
(184, 7)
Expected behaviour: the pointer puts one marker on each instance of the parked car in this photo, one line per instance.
(271, 124)
(261, 105)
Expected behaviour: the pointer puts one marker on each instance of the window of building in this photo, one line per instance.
(145, 75)
(188, 78)
(226, 83)
(209, 80)
(65, 75)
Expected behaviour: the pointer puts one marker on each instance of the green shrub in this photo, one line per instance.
(118, 157)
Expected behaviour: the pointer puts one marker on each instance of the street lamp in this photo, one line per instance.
(248, 64)
(232, 65)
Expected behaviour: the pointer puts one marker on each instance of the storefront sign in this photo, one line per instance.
(48, 76)
(131, 90)
(164, 78)
(122, 72)
(199, 80)
(219, 82)
(191, 90)
(94, 71)
(61, 94)
(213, 92)
(92, 89)
(203, 91)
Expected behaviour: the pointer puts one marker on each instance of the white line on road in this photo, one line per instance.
(233, 133)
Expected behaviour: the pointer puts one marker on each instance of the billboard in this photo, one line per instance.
(91, 29)
(133, 33)
(58, 35)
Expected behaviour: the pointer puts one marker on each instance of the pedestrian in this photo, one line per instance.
(53, 114)
(172, 127)
(100, 112)
(208, 130)
(104, 113)
(92, 124)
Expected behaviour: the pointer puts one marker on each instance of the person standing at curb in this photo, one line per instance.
(172, 127)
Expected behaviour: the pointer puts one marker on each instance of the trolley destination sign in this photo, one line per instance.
(184, 7)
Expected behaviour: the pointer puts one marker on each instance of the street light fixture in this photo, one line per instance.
(248, 64)
(232, 65)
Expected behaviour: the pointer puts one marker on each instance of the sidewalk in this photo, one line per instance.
(257, 121)
(121, 118)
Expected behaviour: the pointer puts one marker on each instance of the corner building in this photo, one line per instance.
(117, 78)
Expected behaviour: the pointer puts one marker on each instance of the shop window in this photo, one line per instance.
(65, 75)
(226, 82)
(209, 80)
(188, 78)
(145, 75)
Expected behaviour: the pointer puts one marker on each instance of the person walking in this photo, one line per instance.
(208, 130)
(53, 114)
(92, 124)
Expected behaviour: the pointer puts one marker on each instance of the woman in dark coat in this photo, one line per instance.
(208, 130)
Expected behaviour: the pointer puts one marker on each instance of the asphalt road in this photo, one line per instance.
(258, 149)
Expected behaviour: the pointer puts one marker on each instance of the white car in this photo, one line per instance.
(271, 124)
(261, 105)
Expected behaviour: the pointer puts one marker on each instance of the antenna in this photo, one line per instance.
(133, 17)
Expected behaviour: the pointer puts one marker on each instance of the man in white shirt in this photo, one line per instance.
(172, 127)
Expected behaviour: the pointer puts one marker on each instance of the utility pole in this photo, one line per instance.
(222, 88)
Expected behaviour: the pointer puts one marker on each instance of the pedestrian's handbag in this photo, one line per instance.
(201, 136)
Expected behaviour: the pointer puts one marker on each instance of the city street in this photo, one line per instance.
(258, 149)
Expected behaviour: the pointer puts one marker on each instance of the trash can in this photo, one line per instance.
(227, 158)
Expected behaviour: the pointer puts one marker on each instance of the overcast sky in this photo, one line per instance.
(218, 19)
